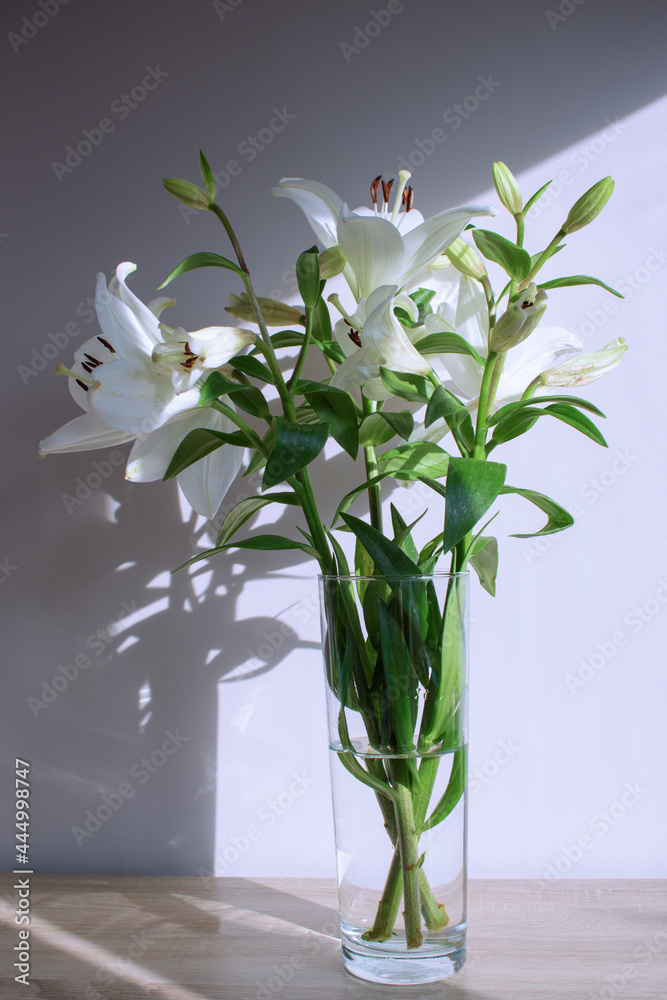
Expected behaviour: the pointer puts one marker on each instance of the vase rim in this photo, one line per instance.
(438, 575)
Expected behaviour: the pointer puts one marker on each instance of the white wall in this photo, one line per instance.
(567, 662)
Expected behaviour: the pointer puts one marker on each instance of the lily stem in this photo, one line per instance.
(408, 841)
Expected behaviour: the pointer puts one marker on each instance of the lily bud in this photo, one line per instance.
(275, 313)
(519, 320)
(466, 259)
(332, 263)
(585, 368)
(188, 193)
(507, 188)
(589, 206)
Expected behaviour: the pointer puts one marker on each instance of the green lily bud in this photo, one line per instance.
(275, 313)
(332, 263)
(188, 193)
(519, 320)
(589, 206)
(466, 259)
(507, 188)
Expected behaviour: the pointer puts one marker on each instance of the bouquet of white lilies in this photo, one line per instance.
(428, 371)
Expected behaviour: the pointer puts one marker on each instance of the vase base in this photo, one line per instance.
(403, 968)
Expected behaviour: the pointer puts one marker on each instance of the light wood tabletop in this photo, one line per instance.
(178, 938)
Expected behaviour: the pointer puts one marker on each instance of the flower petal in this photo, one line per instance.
(84, 433)
(320, 205)
(133, 397)
(533, 356)
(120, 325)
(144, 313)
(206, 483)
(215, 345)
(424, 243)
(373, 247)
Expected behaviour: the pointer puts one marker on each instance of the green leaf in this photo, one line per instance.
(455, 788)
(200, 443)
(350, 497)
(447, 343)
(270, 543)
(296, 445)
(422, 298)
(389, 559)
(402, 533)
(513, 259)
(252, 367)
(399, 694)
(484, 560)
(531, 201)
(472, 486)
(207, 175)
(266, 543)
(246, 397)
(444, 403)
(308, 277)
(519, 420)
(205, 259)
(245, 509)
(537, 400)
(413, 388)
(287, 338)
(514, 424)
(579, 279)
(380, 427)
(570, 415)
(415, 460)
(559, 519)
(321, 329)
(336, 408)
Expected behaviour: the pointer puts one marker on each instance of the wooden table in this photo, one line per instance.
(122, 937)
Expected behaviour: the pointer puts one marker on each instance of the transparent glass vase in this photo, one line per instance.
(395, 657)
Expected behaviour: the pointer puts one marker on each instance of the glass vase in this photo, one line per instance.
(395, 658)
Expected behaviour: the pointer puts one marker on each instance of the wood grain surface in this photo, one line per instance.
(176, 938)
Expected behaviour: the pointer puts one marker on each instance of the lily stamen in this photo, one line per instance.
(386, 190)
(62, 370)
(374, 190)
(403, 178)
(334, 299)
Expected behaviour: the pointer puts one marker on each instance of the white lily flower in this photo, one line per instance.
(585, 368)
(523, 362)
(373, 338)
(129, 396)
(381, 247)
